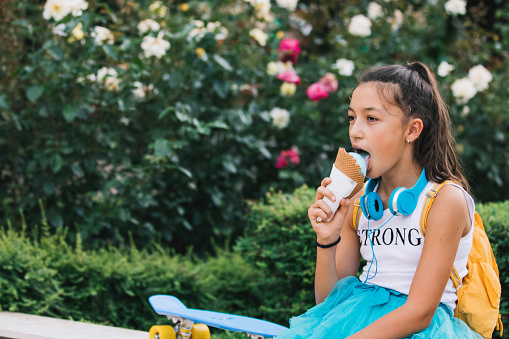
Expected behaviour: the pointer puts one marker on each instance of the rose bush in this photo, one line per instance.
(157, 120)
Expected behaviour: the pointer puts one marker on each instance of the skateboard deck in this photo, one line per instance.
(171, 306)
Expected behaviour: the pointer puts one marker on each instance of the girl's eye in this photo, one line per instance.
(370, 118)
(351, 118)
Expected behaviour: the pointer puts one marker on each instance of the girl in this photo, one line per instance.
(398, 116)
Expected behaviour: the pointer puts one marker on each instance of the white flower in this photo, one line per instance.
(59, 30)
(125, 121)
(397, 20)
(223, 33)
(344, 66)
(78, 6)
(288, 89)
(444, 69)
(154, 46)
(259, 36)
(56, 9)
(262, 9)
(280, 117)
(102, 35)
(109, 77)
(148, 25)
(275, 67)
(480, 77)
(456, 7)
(360, 26)
(463, 89)
(465, 111)
(374, 10)
(158, 8)
(138, 90)
(290, 5)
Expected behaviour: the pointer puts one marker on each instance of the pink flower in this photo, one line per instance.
(289, 76)
(329, 82)
(289, 49)
(287, 157)
(317, 91)
(281, 162)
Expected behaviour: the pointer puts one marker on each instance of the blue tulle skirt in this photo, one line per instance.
(352, 306)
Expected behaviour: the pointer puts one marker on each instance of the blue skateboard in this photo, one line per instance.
(192, 323)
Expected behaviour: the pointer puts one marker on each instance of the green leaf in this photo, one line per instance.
(166, 111)
(77, 170)
(221, 88)
(56, 162)
(56, 52)
(34, 92)
(176, 79)
(223, 63)
(218, 124)
(162, 148)
(110, 51)
(49, 188)
(70, 112)
(4, 104)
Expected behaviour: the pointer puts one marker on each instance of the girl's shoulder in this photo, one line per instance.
(452, 200)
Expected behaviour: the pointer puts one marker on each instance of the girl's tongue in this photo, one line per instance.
(367, 159)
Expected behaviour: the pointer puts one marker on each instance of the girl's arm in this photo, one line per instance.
(326, 275)
(448, 221)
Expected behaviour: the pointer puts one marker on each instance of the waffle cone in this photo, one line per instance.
(348, 166)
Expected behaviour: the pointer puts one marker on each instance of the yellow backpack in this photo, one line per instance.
(479, 293)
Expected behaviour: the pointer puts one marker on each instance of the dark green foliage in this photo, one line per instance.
(110, 286)
(176, 165)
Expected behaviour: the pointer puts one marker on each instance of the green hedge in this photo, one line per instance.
(268, 275)
(110, 286)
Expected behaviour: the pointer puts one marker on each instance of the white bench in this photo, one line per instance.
(26, 326)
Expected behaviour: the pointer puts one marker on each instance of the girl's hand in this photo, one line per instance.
(327, 232)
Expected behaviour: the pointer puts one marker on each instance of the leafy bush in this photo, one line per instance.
(111, 286)
(280, 240)
(269, 275)
(166, 144)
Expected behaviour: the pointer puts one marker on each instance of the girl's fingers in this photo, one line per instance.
(325, 207)
(315, 212)
(326, 181)
(324, 192)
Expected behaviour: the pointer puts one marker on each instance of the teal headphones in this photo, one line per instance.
(403, 200)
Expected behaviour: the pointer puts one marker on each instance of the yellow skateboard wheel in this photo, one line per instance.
(200, 331)
(162, 332)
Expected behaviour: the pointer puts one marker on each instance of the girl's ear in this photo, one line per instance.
(415, 127)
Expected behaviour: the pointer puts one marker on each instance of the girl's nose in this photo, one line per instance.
(356, 131)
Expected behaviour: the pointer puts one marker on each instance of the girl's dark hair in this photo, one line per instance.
(414, 89)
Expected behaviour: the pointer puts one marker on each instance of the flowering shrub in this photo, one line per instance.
(158, 119)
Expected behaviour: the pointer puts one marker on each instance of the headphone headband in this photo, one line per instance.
(403, 200)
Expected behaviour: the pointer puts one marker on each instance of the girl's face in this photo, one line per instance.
(378, 128)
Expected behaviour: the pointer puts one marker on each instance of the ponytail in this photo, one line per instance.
(417, 94)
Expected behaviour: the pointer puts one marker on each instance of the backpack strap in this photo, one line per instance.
(430, 197)
(357, 212)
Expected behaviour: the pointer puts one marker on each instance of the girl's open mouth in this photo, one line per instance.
(365, 155)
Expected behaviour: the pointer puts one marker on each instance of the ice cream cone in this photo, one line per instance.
(347, 164)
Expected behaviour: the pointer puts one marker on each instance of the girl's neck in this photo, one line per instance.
(406, 177)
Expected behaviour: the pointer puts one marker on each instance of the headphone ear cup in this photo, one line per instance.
(393, 200)
(407, 202)
(374, 206)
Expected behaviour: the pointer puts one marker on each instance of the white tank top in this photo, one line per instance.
(398, 246)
